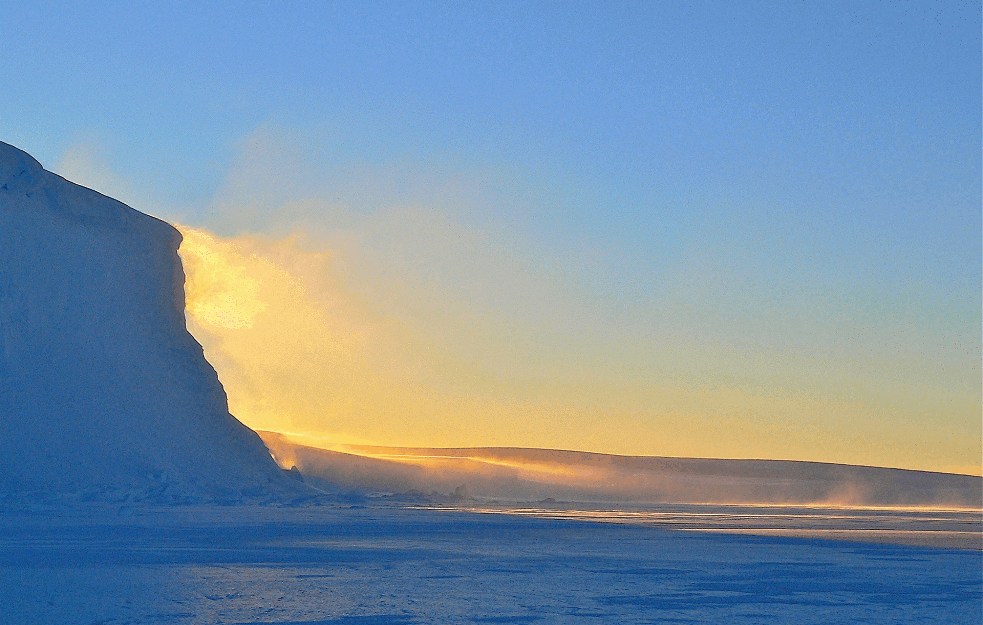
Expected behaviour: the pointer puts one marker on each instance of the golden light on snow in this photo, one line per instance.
(280, 353)
(542, 470)
(218, 293)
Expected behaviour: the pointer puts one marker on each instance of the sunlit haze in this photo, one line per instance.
(672, 229)
(302, 348)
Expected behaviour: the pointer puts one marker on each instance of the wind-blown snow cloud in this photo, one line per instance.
(222, 294)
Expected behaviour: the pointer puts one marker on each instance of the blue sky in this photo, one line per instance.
(860, 116)
(786, 177)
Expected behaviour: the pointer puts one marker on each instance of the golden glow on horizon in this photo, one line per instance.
(540, 469)
(616, 513)
(954, 528)
(300, 350)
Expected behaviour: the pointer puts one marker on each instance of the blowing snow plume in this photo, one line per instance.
(102, 388)
(292, 357)
(300, 352)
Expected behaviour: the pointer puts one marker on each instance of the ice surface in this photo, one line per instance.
(533, 474)
(103, 392)
(380, 564)
(944, 528)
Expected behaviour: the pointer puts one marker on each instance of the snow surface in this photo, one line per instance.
(384, 565)
(514, 473)
(103, 392)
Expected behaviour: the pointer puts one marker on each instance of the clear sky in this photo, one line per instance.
(704, 229)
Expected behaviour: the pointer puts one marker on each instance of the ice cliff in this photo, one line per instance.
(102, 388)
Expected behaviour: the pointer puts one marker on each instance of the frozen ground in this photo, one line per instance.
(387, 563)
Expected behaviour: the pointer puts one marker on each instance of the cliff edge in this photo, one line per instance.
(102, 388)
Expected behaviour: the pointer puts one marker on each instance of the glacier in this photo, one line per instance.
(129, 494)
(103, 392)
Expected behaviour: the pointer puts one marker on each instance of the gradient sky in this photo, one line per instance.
(702, 229)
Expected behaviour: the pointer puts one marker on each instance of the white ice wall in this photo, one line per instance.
(101, 385)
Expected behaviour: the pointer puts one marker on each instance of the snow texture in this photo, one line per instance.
(532, 474)
(103, 392)
(378, 565)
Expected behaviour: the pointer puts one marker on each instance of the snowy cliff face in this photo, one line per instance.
(102, 389)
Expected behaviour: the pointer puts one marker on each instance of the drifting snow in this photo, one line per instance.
(537, 474)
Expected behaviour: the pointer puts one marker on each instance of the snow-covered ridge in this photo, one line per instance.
(540, 474)
(102, 388)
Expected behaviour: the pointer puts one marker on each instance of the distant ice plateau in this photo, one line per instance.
(538, 474)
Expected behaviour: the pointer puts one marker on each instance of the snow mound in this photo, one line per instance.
(517, 474)
(102, 389)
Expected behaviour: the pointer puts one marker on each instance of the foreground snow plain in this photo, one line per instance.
(397, 562)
